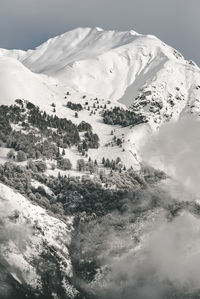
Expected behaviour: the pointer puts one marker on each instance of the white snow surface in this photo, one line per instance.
(127, 68)
(110, 64)
(30, 230)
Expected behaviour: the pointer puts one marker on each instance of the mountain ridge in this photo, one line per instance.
(120, 66)
(75, 115)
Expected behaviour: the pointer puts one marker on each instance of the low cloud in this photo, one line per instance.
(166, 264)
(145, 251)
(175, 149)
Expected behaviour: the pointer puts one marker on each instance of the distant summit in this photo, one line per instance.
(122, 66)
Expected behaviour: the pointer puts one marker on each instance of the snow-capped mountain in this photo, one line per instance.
(125, 67)
(84, 103)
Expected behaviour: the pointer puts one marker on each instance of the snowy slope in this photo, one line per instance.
(28, 233)
(123, 69)
(17, 81)
(128, 67)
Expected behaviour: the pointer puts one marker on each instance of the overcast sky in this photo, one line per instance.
(27, 23)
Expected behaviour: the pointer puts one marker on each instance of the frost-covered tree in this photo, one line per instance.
(21, 156)
(64, 164)
(11, 155)
(81, 165)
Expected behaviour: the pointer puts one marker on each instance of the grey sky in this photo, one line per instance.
(27, 23)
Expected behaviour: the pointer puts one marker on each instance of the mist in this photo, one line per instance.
(175, 149)
(166, 262)
(150, 249)
(143, 254)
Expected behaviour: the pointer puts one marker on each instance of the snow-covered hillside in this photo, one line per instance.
(128, 67)
(85, 103)
(28, 236)
(17, 81)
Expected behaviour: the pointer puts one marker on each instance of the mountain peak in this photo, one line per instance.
(134, 69)
(99, 29)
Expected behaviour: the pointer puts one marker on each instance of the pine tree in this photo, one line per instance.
(85, 146)
(118, 160)
(107, 163)
(58, 153)
(80, 165)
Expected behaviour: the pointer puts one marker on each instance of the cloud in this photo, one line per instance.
(146, 251)
(143, 255)
(175, 149)
(166, 263)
